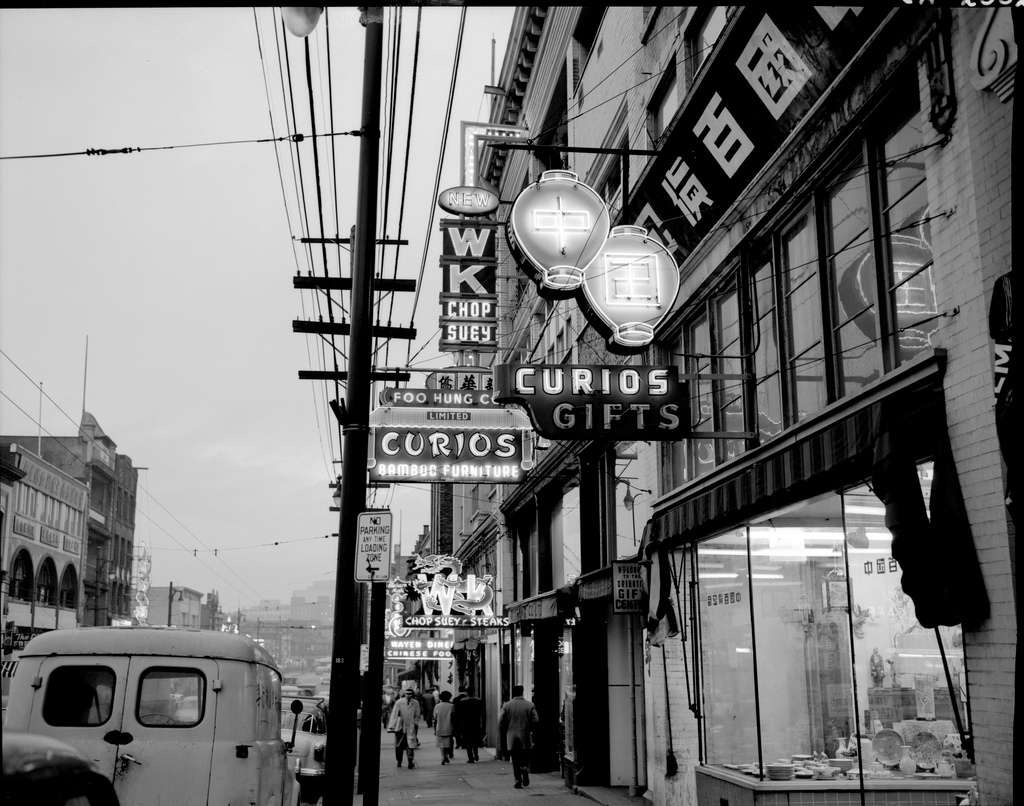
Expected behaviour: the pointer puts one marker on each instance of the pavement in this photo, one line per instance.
(488, 782)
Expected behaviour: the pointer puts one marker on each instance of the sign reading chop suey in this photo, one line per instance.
(581, 402)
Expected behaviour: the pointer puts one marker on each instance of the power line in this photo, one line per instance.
(104, 152)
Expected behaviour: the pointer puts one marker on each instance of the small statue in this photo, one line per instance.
(877, 668)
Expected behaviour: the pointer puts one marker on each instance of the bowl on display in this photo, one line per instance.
(844, 764)
(826, 773)
(780, 772)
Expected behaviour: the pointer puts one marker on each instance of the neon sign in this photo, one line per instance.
(618, 402)
(448, 599)
(557, 227)
(626, 280)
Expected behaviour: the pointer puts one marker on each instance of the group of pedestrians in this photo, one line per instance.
(458, 723)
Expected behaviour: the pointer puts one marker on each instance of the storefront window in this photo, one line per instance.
(798, 595)
(817, 650)
(901, 681)
(727, 649)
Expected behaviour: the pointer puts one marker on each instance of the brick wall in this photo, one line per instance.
(972, 247)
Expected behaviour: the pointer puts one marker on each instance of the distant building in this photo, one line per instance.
(107, 526)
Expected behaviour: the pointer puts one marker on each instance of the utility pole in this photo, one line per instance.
(355, 430)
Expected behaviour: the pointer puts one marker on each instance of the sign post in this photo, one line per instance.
(373, 547)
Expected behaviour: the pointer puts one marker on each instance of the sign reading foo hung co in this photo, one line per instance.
(594, 402)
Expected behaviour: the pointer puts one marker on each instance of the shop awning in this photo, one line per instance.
(597, 585)
(802, 458)
(9, 668)
(552, 604)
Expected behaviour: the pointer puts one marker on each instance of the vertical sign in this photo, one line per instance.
(469, 300)
(373, 547)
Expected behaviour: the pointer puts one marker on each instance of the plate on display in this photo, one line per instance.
(886, 744)
(925, 750)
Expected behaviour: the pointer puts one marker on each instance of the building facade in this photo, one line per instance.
(44, 538)
(828, 552)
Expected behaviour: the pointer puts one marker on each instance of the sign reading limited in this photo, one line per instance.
(587, 402)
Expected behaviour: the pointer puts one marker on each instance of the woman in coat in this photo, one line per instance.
(443, 728)
(404, 723)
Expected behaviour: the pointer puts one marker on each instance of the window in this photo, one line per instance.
(46, 583)
(69, 589)
(712, 350)
(171, 698)
(21, 577)
(802, 305)
(768, 394)
(907, 241)
(663, 104)
(852, 279)
(821, 597)
(78, 696)
(703, 37)
(584, 38)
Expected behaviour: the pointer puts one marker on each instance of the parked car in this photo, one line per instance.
(304, 731)
(191, 715)
(46, 772)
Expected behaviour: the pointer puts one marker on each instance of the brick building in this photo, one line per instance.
(834, 185)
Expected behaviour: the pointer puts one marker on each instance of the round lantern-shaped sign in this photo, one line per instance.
(629, 288)
(556, 228)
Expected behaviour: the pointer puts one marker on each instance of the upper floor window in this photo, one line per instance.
(664, 103)
(703, 35)
(584, 40)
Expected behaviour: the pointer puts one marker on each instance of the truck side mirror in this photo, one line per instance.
(295, 708)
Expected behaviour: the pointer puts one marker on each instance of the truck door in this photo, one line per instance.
(82, 700)
(169, 723)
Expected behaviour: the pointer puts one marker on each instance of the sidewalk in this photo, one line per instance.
(488, 781)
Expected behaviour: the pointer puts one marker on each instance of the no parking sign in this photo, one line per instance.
(373, 547)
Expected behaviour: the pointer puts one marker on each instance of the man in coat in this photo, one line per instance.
(517, 721)
(404, 723)
(469, 712)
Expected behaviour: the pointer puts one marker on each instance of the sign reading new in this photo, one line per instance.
(580, 402)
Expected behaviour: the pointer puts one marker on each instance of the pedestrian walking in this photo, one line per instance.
(469, 713)
(405, 723)
(443, 729)
(429, 701)
(517, 721)
(458, 730)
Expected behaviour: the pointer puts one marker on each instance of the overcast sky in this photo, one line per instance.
(175, 263)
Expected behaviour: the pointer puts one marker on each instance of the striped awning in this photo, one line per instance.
(9, 668)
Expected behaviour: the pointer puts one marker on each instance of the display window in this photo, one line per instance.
(811, 653)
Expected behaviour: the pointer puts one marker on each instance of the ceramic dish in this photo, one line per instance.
(925, 750)
(803, 774)
(886, 744)
(844, 764)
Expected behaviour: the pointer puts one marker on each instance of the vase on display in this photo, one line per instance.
(907, 765)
